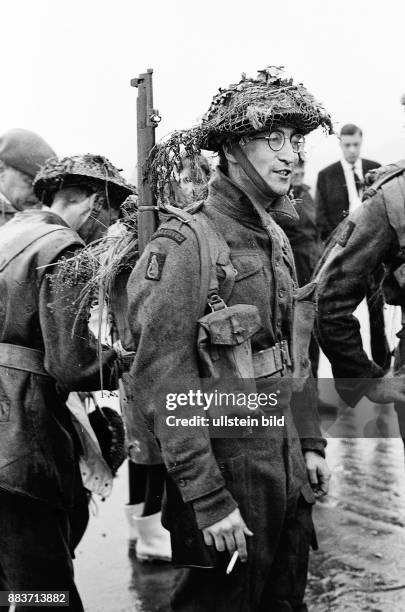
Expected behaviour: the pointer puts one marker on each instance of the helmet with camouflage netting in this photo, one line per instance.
(88, 170)
(253, 105)
(168, 158)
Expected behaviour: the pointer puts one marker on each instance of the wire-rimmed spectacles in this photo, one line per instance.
(276, 141)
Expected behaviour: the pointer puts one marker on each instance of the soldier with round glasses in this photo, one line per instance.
(251, 494)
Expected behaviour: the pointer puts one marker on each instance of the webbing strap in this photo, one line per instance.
(22, 358)
(251, 171)
(212, 249)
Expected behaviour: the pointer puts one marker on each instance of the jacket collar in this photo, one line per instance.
(232, 200)
(5, 205)
(39, 216)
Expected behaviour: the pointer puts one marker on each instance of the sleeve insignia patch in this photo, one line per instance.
(155, 266)
(166, 232)
(346, 233)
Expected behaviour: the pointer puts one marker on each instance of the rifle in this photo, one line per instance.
(148, 119)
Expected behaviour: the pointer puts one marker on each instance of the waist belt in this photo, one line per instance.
(272, 360)
(22, 358)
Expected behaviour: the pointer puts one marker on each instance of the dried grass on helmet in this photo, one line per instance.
(253, 105)
(97, 265)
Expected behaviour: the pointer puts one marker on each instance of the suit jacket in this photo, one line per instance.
(332, 198)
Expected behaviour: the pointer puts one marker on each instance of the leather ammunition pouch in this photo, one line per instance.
(224, 342)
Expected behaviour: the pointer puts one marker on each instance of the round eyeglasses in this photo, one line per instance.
(276, 141)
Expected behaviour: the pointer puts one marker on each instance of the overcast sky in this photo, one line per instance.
(66, 66)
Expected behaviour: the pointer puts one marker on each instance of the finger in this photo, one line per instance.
(219, 543)
(230, 542)
(241, 544)
(312, 475)
(208, 539)
(247, 531)
(324, 486)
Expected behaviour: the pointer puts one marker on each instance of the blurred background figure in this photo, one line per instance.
(190, 182)
(340, 186)
(22, 153)
(304, 236)
(339, 191)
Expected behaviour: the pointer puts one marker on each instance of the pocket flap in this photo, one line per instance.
(233, 325)
(246, 264)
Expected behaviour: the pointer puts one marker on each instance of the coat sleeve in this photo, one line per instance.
(363, 241)
(71, 354)
(163, 307)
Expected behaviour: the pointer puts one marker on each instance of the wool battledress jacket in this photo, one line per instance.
(43, 356)
(364, 241)
(163, 298)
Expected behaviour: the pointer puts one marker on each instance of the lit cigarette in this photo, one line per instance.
(232, 562)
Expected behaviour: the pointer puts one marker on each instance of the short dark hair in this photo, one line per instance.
(349, 129)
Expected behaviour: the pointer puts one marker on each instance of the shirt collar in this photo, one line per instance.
(357, 165)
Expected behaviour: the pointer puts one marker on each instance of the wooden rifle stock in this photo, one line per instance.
(147, 120)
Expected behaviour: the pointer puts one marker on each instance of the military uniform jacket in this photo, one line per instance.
(163, 297)
(364, 241)
(7, 211)
(38, 457)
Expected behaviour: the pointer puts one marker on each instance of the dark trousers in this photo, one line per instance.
(274, 577)
(35, 547)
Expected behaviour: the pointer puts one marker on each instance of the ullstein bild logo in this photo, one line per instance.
(225, 421)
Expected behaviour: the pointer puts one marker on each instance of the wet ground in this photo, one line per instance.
(361, 530)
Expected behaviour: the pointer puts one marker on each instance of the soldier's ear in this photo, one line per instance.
(230, 158)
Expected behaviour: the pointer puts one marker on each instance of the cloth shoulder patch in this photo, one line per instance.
(155, 266)
(346, 233)
(167, 232)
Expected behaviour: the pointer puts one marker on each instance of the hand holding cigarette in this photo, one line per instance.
(229, 534)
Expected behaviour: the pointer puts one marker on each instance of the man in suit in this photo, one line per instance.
(339, 191)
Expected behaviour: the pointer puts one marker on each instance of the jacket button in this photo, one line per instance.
(182, 482)
(281, 293)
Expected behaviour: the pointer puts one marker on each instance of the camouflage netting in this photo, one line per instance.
(243, 108)
(167, 158)
(96, 266)
(94, 170)
(254, 105)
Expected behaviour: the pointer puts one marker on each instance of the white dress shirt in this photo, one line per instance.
(354, 197)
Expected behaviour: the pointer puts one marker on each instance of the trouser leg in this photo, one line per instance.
(35, 548)
(287, 578)
(146, 484)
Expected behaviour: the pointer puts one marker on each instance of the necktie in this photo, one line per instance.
(357, 181)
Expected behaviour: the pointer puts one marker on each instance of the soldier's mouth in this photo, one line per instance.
(285, 173)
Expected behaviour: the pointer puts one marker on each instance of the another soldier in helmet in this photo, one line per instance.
(46, 351)
(22, 153)
(247, 492)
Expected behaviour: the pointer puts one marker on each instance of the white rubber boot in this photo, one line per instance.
(133, 512)
(153, 543)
